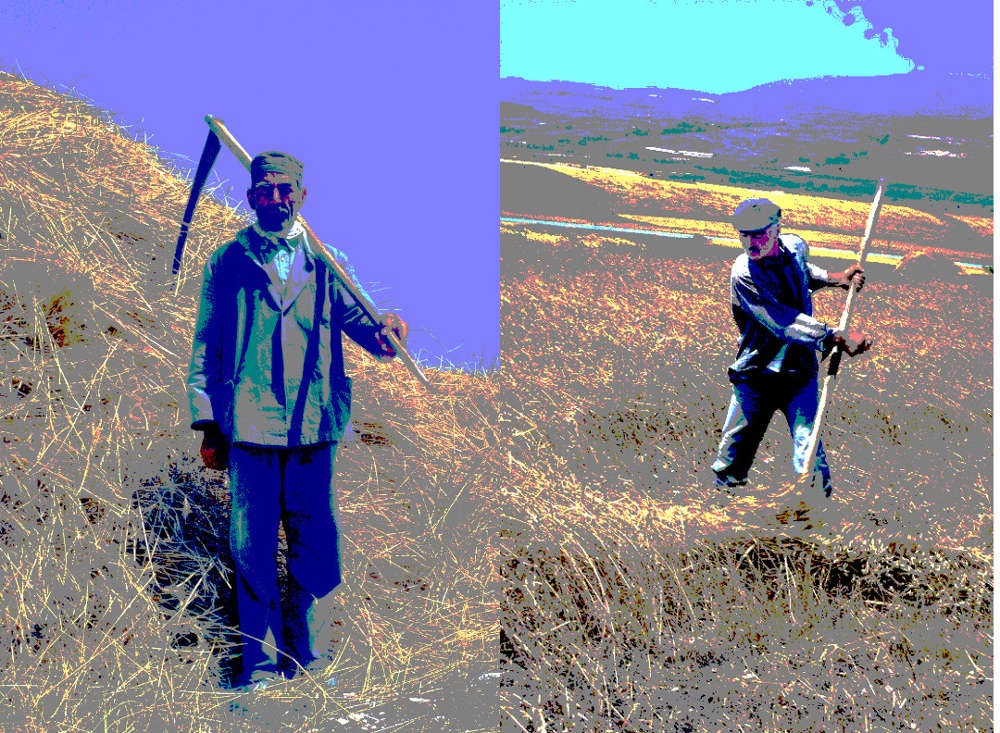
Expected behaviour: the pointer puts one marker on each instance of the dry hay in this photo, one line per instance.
(114, 542)
(763, 632)
(922, 265)
(635, 598)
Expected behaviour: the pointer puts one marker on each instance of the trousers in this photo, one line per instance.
(751, 407)
(294, 487)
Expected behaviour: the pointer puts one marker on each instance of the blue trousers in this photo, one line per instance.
(293, 486)
(750, 410)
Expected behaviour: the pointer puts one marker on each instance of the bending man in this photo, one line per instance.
(771, 289)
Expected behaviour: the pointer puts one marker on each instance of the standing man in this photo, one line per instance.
(267, 387)
(775, 369)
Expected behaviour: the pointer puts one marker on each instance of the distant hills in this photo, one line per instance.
(930, 134)
(916, 93)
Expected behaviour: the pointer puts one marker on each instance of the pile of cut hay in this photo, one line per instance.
(113, 536)
(635, 598)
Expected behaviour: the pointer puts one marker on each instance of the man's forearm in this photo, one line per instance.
(837, 280)
(843, 279)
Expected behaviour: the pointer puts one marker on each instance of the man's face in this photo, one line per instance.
(276, 199)
(761, 243)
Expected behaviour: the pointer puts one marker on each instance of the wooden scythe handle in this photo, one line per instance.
(810, 463)
(219, 128)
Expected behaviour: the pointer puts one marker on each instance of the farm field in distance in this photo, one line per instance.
(627, 199)
(826, 137)
(632, 599)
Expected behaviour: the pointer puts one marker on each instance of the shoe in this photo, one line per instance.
(727, 486)
(262, 677)
(262, 682)
(816, 477)
(314, 669)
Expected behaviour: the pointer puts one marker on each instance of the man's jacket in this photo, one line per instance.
(772, 306)
(267, 365)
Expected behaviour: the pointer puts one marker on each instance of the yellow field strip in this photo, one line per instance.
(607, 230)
(967, 268)
(715, 200)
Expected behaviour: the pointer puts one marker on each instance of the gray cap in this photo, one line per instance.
(274, 161)
(755, 214)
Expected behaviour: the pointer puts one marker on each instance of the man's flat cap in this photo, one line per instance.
(755, 214)
(274, 161)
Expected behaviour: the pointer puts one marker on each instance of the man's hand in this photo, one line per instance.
(215, 448)
(852, 342)
(395, 324)
(843, 279)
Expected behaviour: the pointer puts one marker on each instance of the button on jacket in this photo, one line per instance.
(267, 361)
(772, 306)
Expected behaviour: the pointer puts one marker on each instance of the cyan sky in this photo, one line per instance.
(708, 45)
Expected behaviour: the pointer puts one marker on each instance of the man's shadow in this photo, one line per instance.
(185, 515)
(185, 511)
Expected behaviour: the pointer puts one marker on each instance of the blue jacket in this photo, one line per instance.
(772, 306)
(267, 362)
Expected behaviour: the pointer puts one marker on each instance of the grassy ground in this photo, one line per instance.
(704, 209)
(629, 600)
(634, 600)
(117, 582)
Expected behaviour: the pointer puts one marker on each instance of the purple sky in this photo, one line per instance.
(391, 104)
(953, 36)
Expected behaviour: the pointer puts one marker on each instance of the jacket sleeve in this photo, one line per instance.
(355, 322)
(818, 277)
(205, 372)
(785, 322)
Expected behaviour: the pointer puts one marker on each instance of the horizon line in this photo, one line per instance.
(985, 75)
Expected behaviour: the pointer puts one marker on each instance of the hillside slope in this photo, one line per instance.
(113, 534)
(636, 598)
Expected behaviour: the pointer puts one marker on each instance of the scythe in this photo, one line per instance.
(809, 465)
(205, 163)
(218, 134)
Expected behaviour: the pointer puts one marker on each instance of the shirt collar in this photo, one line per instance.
(266, 244)
(781, 259)
(295, 232)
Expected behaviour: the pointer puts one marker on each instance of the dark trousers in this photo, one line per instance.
(751, 407)
(293, 486)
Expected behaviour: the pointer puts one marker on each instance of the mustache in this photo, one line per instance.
(275, 211)
(274, 218)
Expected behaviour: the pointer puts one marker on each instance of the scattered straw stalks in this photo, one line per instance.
(637, 599)
(117, 592)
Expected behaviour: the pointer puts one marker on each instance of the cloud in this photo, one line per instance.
(954, 36)
(856, 15)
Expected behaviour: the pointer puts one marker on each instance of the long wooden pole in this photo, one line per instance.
(219, 128)
(810, 463)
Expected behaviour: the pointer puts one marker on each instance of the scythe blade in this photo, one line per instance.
(208, 155)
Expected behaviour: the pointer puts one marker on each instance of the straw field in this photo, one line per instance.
(634, 598)
(116, 597)
(704, 209)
